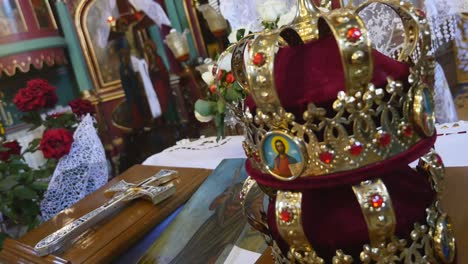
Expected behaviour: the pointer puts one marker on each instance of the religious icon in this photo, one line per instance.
(283, 155)
(11, 18)
(423, 110)
(103, 53)
(211, 223)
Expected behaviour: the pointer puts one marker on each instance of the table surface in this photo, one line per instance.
(110, 238)
(453, 202)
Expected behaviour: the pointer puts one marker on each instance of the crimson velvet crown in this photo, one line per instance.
(331, 126)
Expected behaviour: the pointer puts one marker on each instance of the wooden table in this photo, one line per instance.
(453, 202)
(109, 239)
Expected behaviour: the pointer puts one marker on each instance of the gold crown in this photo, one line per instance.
(369, 123)
(432, 242)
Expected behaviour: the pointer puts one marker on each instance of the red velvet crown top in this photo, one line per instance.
(313, 73)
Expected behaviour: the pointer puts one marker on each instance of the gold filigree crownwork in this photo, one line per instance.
(369, 123)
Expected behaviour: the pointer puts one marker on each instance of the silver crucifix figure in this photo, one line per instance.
(151, 189)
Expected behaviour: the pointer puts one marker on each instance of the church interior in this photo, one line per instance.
(233, 131)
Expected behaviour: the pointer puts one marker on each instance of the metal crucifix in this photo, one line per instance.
(152, 189)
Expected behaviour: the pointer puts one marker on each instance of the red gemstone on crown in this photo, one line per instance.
(354, 34)
(376, 201)
(256, 156)
(326, 157)
(356, 149)
(384, 139)
(438, 160)
(259, 59)
(420, 13)
(408, 131)
(286, 215)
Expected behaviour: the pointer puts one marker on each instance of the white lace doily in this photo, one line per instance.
(79, 173)
(386, 26)
(461, 40)
(204, 153)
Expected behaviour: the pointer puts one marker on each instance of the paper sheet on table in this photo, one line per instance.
(239, 255)
(452, 144)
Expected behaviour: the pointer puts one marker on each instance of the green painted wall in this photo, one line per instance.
(179, 21)
(30, 45)
(155, 34)
(74, 49)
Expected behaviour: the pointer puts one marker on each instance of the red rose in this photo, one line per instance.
(37, 94)
(81, 107)
(213, 88)
(56, 143)
(230, 78)
(220, 74)
(13, 148)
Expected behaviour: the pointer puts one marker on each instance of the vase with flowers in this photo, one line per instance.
(22, 188)
(223, 88)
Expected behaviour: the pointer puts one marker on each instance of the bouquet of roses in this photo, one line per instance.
(222, 88)
(22, 187)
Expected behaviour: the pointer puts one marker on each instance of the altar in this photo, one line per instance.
(128, 235)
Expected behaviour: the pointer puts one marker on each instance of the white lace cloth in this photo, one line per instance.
(445, 111)
(451, 144)
(153, 10)
(441, 14)
(77, 174)
(387, 35)
(461, 41)
(204, 153)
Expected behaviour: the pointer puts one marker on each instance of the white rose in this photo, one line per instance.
(270, 10)
(207, 76)
(225, 64)
(233, 37)
(203, 119)
(288, 17)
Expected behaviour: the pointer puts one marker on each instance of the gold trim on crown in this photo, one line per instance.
(433, 242)
(377, 210)
(369, 124)
(289, 224)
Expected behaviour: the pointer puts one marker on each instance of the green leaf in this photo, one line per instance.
(40, 186)
(205, 108)
(232, 95)
(221, 106)
(24, 192)
(29, 178)
(240, 34)
(33, 118)
(16, 166)
(219, 120)
(7, 210)
(33, 145)
(7, 183)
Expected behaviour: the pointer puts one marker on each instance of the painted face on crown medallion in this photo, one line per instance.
(282, 155)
